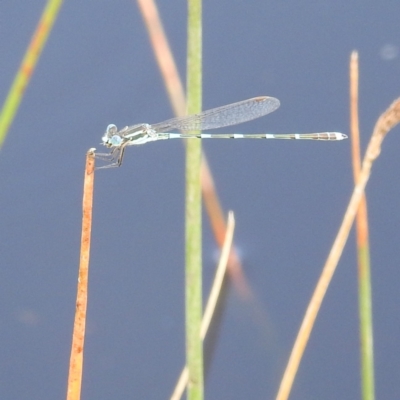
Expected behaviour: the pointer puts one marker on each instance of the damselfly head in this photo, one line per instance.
(110, 138)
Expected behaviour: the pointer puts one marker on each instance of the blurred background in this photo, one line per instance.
(288, 197)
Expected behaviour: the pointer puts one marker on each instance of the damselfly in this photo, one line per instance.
(219, 117)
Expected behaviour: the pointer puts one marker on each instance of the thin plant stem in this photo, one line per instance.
(163, 55)
(385, 123)
(27, 67)
(364, 270)
(212, 299)
(78, 337)
(174, 88)
(193, 273)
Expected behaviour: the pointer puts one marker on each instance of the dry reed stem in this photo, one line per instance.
(173, 83)
(212, 299)
(385, 123)
(362, 216)
(78, 337)
(163, 56)
(219, 276)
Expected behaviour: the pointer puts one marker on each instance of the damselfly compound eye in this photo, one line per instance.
(115, 140)
(111, 130)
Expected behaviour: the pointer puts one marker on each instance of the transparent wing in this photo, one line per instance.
(231, 114)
